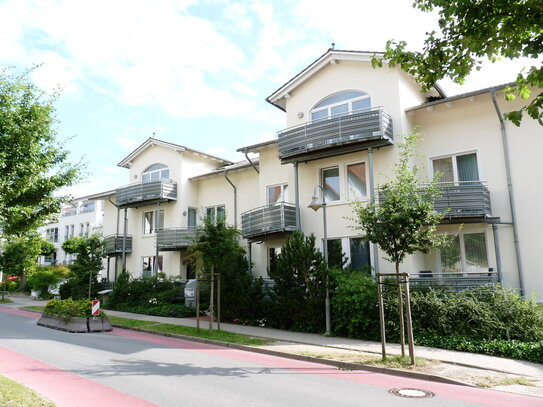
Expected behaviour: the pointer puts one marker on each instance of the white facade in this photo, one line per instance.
(82, 217)
(341, 91)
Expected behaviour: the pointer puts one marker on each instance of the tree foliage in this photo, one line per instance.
(470, 31)
(20, 254)
(89, 253)
(218, 247)
(299, 273)
(33, 164)
(403, 221)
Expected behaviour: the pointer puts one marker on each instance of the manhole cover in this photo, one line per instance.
(412, 393)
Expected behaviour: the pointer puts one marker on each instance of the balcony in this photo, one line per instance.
(454, 281)
(339, 134)
(175, 238)
(467, 199)
(114, 244)
(134, 195)
(272, 218)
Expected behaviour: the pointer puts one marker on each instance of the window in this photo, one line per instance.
(340, 104)
(191, 219)
(216, 214)
(88, 207)
(458, 168)
(155, 172)
(273, 252)
(67, 232)
(277, 193)
(51, 235)
(87, 229)
(149, 222)
(330, 183)
(466, 253)
(81, 229)
(356, 181)
(356, 252)
(72, 230)
(148, 265)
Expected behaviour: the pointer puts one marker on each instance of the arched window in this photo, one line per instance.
(350, 101)
(155, 172)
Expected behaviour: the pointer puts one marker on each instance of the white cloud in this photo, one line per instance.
(127, 143)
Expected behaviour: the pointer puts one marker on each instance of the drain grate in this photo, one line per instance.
(412, 393)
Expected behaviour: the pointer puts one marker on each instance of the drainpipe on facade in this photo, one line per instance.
(157, 223)
(235, 199)
(250, 162)
(250, 255)
(297, 198)
(114, 241)
(510, 190)
(374, 247)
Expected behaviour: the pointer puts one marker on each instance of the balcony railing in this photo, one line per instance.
(175, 238)
(463, 199)
(135, 195)
(455, 281)
(371, 126)
(272, 218)
(114, 244)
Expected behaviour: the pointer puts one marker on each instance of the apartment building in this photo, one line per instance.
(343, 122)
(82, 217)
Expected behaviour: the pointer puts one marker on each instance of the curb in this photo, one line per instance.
(328, 362)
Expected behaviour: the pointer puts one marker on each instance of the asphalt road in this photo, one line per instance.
(126, 368)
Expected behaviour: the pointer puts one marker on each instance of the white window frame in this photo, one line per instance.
(349, 102)
(346, 247)
(214, 208)
(345, 194)
(341, 186)
(455, 167)
(152, 260)
(153, 221)
(159, 171)
(350, 196)
(283, 186)
(461, 235)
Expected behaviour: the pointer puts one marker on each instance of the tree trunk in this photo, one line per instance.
(400, 310)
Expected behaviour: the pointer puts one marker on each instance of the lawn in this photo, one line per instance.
(14, 394)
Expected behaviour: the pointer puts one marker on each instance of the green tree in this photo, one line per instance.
(403, 221)
(469, 31)
(299, 274)
(217, 246)
(89, 253)
(33, 164)
(20, 255)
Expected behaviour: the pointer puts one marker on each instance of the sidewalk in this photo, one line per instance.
(518, 367)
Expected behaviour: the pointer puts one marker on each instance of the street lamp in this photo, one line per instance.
(316, 204)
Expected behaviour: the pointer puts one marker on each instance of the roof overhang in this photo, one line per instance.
(255, 147)
(242, 165)
(127, 161)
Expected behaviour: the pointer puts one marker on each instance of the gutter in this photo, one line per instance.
(510, 191)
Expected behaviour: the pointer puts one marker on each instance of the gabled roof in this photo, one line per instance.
(153, 141)
(331, 56)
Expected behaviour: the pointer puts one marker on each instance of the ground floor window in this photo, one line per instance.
(148, 265)
(216, 214)
(354, 251)
(466, 253)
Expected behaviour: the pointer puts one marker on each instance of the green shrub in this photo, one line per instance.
(44, 277)
(69, 308)
(512, 349)
(163, 310)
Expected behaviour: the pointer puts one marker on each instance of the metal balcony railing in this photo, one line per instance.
(139, 194)
(114, 244)
(455, 281)
(463, 199)
(175, 238)
(366, 125)
(272, 218)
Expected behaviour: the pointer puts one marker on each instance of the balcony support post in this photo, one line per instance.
(374, 247)
(297, 198)
(250, 257)
(157, 219)
(125, 231)
(497, 250)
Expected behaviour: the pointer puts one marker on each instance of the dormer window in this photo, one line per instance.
(341, 103)
(155, 172)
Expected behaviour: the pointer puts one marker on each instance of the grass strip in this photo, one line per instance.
(34, 308)
(5, 300)
(132, 323)
(14, 394)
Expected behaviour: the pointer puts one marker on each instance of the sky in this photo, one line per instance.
(190, 72)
